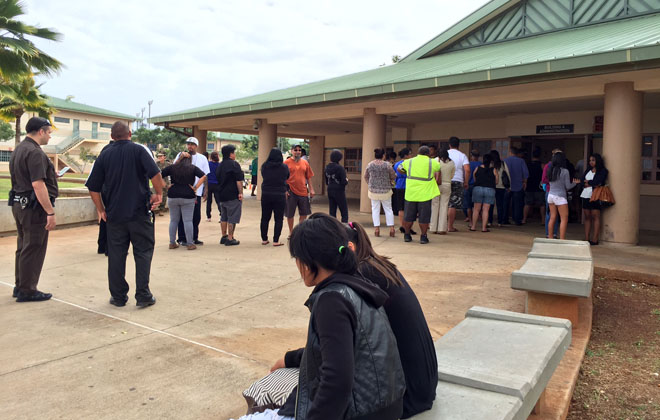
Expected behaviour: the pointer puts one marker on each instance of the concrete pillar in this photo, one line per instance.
(373, 136)
(201, 136)
(267, 140)
(622, 151)
(316, 160)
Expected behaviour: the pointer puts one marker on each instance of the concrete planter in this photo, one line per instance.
(69, 210)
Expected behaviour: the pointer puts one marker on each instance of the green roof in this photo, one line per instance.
(63, 104)
(630, 41)
(231, 136)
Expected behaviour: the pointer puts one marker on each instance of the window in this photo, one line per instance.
(62, 120)
(106, 125)
(5, 155)
(353, 161)
(651, 158)
(483, 146)
(95, 130)
(502, 146)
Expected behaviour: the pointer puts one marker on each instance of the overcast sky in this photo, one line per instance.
(187, 53)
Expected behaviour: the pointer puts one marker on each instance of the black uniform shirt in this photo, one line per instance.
(29, 163)
(228, 174)
(123, 171)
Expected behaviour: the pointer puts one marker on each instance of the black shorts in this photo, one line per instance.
(590, 205)
(300, 202)
(413, 209)
(398, 200)
(254, 180)
(534, 198)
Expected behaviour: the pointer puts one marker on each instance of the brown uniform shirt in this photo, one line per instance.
(29, 163)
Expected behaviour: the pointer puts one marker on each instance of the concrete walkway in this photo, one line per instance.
(224, 315)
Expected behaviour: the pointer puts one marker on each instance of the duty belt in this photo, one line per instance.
(417, 178)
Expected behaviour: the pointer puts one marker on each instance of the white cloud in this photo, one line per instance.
(184, 54)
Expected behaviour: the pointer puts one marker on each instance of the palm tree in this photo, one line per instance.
(18, 55)
(20, 96)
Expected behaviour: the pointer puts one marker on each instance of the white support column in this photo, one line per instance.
(267, 140)
(622, 151)
(373, 136)
(316, 161)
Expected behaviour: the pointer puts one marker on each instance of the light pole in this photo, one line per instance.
(142, 117)
(151, 101)
(137, 121)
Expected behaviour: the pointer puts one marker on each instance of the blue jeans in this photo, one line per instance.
(514, 202)
(547, 216)
(499, 201)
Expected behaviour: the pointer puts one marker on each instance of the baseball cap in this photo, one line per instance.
(36, 123)
(192, 140)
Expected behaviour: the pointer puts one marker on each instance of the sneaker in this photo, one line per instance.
(407, 237)
(412, 232)
(34, 297)
(223, 240)
(402, 230)
(231, 242)
(198, 242)
(145, 303)
(174, 246)
(117, 302)
(191, 247)
(423, 239)
(15, 293)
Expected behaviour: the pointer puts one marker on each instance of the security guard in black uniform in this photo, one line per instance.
(32, 197)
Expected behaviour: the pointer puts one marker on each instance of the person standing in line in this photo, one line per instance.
(534, 197)
(440, 205)
(423, 177)
(182, 197)
(560, 183)
(594, 176)
(433, 151)
(300, 175)
(503, 184)
(32, 200)
(336, 180)
(124, 170)
(254, 169)
(485, 180)
(230, 178)
(459, 182)
(516, 196)
(398, 200)
(379, 175)
(212, 183)
(202, 163)
(162, 164)
(467, 197)
(274, 174)
(545, 182)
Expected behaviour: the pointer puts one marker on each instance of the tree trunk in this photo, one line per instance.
(18, 129)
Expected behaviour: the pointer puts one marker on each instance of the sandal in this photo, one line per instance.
(453, 230)
(265, 242)
(377, 232)
(278, 244)
(392, 232)
(487, 230)
(471, 230)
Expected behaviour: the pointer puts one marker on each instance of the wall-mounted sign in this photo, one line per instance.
(554, 129)
(598, 124)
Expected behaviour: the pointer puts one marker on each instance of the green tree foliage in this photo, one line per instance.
(6, 132)
(168, 141)
(85, 156)
(284, 144)
(18, 55)
(21, 96)
(249, 148)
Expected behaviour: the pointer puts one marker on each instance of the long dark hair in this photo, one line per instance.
(497, 162)
(600, 164)
(322, 241)
(275, 158)
(368, 258)
(487, 159)
(558, 162)
(182, 169)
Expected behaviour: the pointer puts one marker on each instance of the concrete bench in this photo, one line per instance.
(555, 275)
(495, 365)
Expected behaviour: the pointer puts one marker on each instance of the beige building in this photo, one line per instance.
(580, 75)
(77, 127)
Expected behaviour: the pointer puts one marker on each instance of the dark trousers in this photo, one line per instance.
(272, 204)
(499, 202)
(102, 241)
(514, 203)
(197, 216)
(338, 199)
(139, 232)
(213, 195)
(30, 246)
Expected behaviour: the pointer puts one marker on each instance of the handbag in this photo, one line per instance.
(271, 391)
(603, 196)
(506, 181)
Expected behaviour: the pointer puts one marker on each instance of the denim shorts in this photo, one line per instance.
(483, 195)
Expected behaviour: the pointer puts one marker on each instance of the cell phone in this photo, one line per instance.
(63, 171)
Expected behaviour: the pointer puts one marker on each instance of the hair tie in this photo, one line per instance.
(342, 249)
(351, 225)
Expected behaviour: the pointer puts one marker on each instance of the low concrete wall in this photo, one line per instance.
(69, 210)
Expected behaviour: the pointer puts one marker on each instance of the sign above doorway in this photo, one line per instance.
(555, 129)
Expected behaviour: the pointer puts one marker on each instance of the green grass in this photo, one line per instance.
(5, 186)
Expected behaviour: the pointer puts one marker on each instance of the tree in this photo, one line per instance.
(18, 55)
(6, 132)
(396, 58)
(168, 141)
(20, 96)
(249, 148)
(284, 144)
(85, 156)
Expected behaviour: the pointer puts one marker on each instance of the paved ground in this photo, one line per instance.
(224, 314)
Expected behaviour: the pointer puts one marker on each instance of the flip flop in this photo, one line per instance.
(265, 242)
(487, 230)
(277, 244)
(471, 230)
(453, 230)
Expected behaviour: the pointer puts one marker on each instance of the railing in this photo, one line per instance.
(71, 162)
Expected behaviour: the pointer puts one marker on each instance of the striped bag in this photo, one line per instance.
(271, 391)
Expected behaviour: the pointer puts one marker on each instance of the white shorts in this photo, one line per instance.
(557, 200)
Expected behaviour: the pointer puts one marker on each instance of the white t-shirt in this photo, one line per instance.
(459, 160)
(587, 191)
(202, 163)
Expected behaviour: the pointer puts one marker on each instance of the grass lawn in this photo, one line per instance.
(5, 186)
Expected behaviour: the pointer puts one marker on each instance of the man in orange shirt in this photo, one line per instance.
(300, 174)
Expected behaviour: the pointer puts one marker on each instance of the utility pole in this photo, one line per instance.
(137, 121)
(151, 101)
(142, 117)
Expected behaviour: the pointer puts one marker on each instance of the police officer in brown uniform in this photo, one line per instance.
(32, 197)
